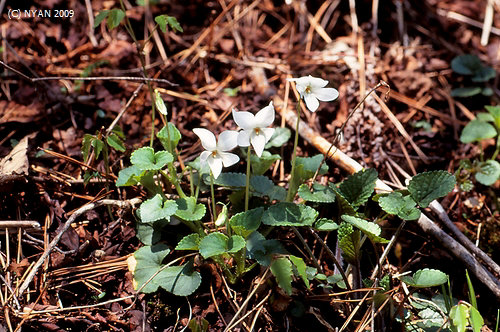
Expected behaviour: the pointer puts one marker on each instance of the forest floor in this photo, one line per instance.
(234, 54)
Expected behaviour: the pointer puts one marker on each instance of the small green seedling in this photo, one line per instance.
(471, 66)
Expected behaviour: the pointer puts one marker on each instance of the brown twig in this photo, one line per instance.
(102, 78)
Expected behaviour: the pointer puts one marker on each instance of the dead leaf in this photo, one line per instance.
(19, 268)
(10, 111)
(15, 165)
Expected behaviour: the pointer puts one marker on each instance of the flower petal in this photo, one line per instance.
(311, 102)
(316, 82)
(215, 164)
(265, 117)
(268, 132)
(244, 120)
(228, 158)
(207, 138)
(203, 157)
(228, 140)
(258, 143)
(326, 94)
(243, 138)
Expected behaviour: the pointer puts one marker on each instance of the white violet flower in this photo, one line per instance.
(254, 128)
(215, 152)
(313, 89)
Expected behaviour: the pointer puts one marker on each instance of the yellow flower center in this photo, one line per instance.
(308, 89)
(257, 131)
(214, 154)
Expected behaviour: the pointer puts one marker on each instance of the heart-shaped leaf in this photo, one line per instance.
(358, 187)
(189, 242)
(156, 208)
(289, 214)
(216, 243)
(402, 206)
(488, 173)
(426, 278)
(245, 223)
(428, 186)
(319, 193)
(188, 209)
(476, 131)
(146, 159)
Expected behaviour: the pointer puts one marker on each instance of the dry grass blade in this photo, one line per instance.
(401, 129)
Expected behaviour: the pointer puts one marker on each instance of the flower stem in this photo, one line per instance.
(214, 213)
(291, 190)
(247, 185)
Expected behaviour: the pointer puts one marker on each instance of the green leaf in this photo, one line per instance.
(319, 194)
(187, 209)
(147, 181)
(428, 186)
(245, 223)
(495, 113)
(281, 268)
(476, 131)
(488, 173)
(228, 179)
(262, 164)
(232, 92)
(86, 143)
(358, 187)
(189, 242)
(150, 233)
(155, 209)
(289, 214)
(476, 320)
(175, 136)
(305, 168)
(263, 250)
(215, 244)
(263, 186)
(458, 316)
(484, 74)
(179, 280)
(466, 64)
(98, 145)
(344, 205)
(466, 92)
(349, 242)
(115, 142)
(100, 17)
(163, 20)
(129, 176)
(484, 117)
(487, 91)
(309, 165)
(324, 224)
(115, 17)
(280, 136)
(146, 159)
(117, 130)
(235, 244)
(301, 268)
(426, 278)
(402, 206)
(148, 262)
(370, 229)
(198, 324)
